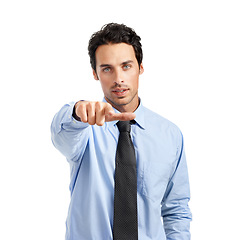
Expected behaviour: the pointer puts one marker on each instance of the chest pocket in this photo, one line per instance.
(155, 178)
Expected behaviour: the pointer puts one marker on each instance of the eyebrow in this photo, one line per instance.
(109, 65)
(105, 65)
(126, 62)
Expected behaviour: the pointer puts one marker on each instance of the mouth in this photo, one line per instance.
(120, 92)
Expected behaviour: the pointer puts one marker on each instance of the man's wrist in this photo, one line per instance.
(74, 115)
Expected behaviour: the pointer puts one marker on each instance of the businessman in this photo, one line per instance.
(129, 177)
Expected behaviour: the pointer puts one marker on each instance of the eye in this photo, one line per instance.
(107, 69)
(125, 67)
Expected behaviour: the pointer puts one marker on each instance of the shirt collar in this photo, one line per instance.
(139, 112)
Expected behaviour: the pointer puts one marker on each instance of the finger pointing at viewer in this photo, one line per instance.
(98, 113)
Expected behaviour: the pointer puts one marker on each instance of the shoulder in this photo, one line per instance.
(156, 122)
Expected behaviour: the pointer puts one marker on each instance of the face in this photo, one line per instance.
(118, 71)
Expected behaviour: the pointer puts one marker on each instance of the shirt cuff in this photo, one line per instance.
(69, 121)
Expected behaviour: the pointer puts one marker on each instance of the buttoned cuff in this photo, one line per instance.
(69, 122)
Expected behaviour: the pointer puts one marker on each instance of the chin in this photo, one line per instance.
(121, 101)
(118, 102)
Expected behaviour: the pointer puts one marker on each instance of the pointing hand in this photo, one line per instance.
(99, 112)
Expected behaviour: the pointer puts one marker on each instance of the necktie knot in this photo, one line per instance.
(124, 126)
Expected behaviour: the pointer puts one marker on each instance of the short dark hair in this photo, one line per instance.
(114, 33)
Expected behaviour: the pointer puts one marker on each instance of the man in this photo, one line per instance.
(87, 133)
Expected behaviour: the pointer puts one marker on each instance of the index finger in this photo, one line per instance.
(126, 116)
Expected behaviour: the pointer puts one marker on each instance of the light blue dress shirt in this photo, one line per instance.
(163, 186)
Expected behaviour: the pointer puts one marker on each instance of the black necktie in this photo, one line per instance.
(125, 223)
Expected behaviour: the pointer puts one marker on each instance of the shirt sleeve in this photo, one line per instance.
(175, 210)
(68, 135)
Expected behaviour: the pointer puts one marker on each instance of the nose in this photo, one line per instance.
(118, 78)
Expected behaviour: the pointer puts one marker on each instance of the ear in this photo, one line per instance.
(95, 75)
(141, 69)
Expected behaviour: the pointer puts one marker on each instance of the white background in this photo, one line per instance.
(192, 72)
